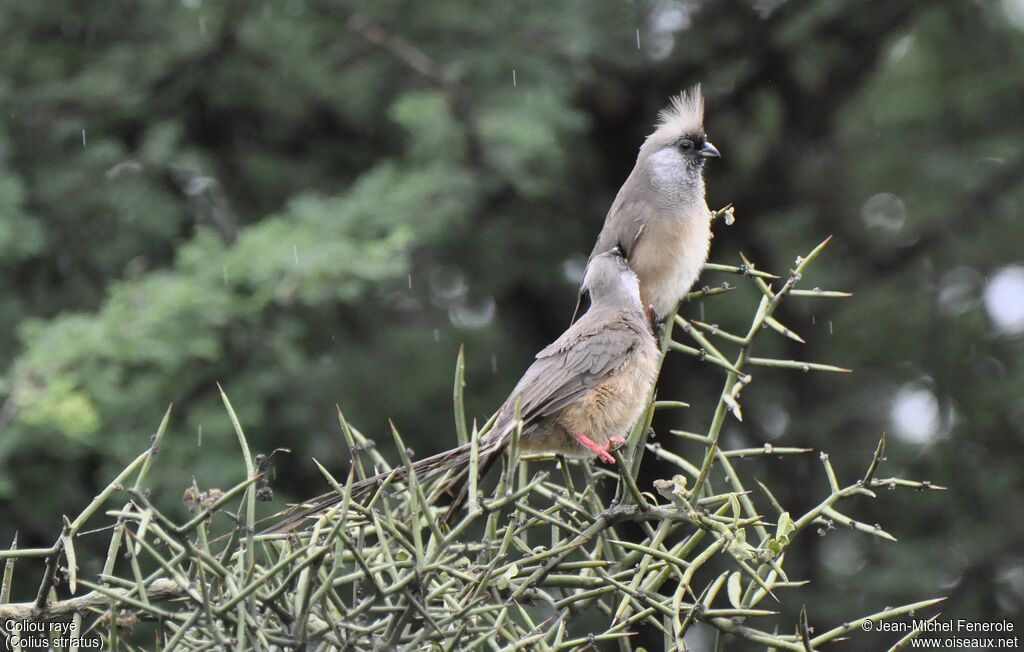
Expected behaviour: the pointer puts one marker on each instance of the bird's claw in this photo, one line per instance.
(654, 319)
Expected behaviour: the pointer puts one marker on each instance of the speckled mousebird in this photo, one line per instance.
(579, 398)
(660, 216)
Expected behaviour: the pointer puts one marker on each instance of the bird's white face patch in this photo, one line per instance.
(667, 167)
(631, 284)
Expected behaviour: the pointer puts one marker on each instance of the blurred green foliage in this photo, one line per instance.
(315, 203)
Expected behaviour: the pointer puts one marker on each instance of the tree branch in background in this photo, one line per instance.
(420, 62)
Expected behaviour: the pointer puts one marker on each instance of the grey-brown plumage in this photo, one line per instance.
(592, 380)
(583, 393)
(660, 216)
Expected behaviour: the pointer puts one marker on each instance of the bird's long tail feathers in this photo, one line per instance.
(455, 460)
(486, 460)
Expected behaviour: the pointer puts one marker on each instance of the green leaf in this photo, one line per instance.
(506, 578)
(784, 529)
(734, 504)
(735, 588)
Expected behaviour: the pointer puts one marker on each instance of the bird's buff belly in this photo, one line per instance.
(608, 410)
(680, 256)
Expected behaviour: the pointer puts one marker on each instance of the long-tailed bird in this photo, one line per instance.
(581, 396)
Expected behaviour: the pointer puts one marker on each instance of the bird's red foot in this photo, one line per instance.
(615, 441)
(594, 447)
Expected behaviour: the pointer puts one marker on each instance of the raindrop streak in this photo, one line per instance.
(702, 311)
(199, 439)
(83, 138)
(410, 281)
(829, 326)
(437, 335)
(295, 250)
(637, 39)
(514, 77)
(494, 363)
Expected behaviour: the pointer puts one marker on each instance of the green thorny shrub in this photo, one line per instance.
(526, 559)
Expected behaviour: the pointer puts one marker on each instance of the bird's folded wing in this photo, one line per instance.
(574, 364)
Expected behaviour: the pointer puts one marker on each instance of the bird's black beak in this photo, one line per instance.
(617, 250)
(709, 151)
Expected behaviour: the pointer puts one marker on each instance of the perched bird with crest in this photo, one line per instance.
(660, 216)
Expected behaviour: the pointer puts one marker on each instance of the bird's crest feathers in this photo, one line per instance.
(684, 115)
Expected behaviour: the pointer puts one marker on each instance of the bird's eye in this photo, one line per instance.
(686, 145)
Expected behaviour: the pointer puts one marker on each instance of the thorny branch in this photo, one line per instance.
(382, 571)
